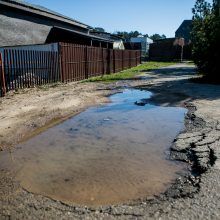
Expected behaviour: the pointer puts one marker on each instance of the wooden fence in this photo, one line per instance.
(169, 50)
(28, 68)
(2, 77)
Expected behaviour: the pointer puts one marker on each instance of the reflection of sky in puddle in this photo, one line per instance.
(105, 155)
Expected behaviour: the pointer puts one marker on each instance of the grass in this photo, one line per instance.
(129, 73)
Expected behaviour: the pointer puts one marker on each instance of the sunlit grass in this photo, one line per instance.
(130, 73)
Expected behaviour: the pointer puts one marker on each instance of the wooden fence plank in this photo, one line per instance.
(2, 77)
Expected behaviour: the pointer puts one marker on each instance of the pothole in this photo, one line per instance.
(105, 155)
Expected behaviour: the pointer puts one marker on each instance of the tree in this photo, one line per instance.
(128, 35)
(99, 29)
(205, 37)
(155, 37)
(216, 6)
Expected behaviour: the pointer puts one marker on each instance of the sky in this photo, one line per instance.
(146, 16)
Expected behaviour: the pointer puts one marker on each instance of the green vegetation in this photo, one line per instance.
(130, 73)
(128, 35)
(99, 29)
(205, 38)
(156, 36)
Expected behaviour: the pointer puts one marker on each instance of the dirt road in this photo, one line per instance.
(191, 197)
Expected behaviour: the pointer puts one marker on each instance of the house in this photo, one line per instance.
(27, 24)
(184, 31)
(144, 42)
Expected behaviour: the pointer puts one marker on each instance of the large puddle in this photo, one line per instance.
(105, 155)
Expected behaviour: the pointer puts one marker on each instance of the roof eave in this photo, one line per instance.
(44, 14)
(92, 37)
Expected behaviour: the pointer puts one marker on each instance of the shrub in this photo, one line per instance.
(206, 38)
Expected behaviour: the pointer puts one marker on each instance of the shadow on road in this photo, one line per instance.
(180, 88)
(174, 71)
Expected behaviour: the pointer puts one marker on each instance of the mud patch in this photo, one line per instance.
(105, 155)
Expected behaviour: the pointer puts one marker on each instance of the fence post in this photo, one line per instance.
(140, 57)
(60, 54)
(2, 76)
(113, 54)
(103, 62)
(123, 60)
(129, 57)
(136, 58)
(108, 61)
(86, 63)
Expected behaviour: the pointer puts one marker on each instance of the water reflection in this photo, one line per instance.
(105, 155)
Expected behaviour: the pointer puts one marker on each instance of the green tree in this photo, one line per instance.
(205, 37)
(157, 37)
(99, 29)
(216, 5)
(127, 35)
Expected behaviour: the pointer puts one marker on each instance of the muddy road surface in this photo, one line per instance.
(194, 195)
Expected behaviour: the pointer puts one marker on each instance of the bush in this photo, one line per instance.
(206, 38)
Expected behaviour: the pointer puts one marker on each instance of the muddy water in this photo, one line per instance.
(105, 155)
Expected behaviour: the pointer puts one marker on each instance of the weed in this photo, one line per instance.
(129, 73)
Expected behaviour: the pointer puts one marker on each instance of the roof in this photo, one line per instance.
(42, 11)
(185, 24)
(141, 38)
(171, 39)
(184, 30)
(106, 35)
(90, 36)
